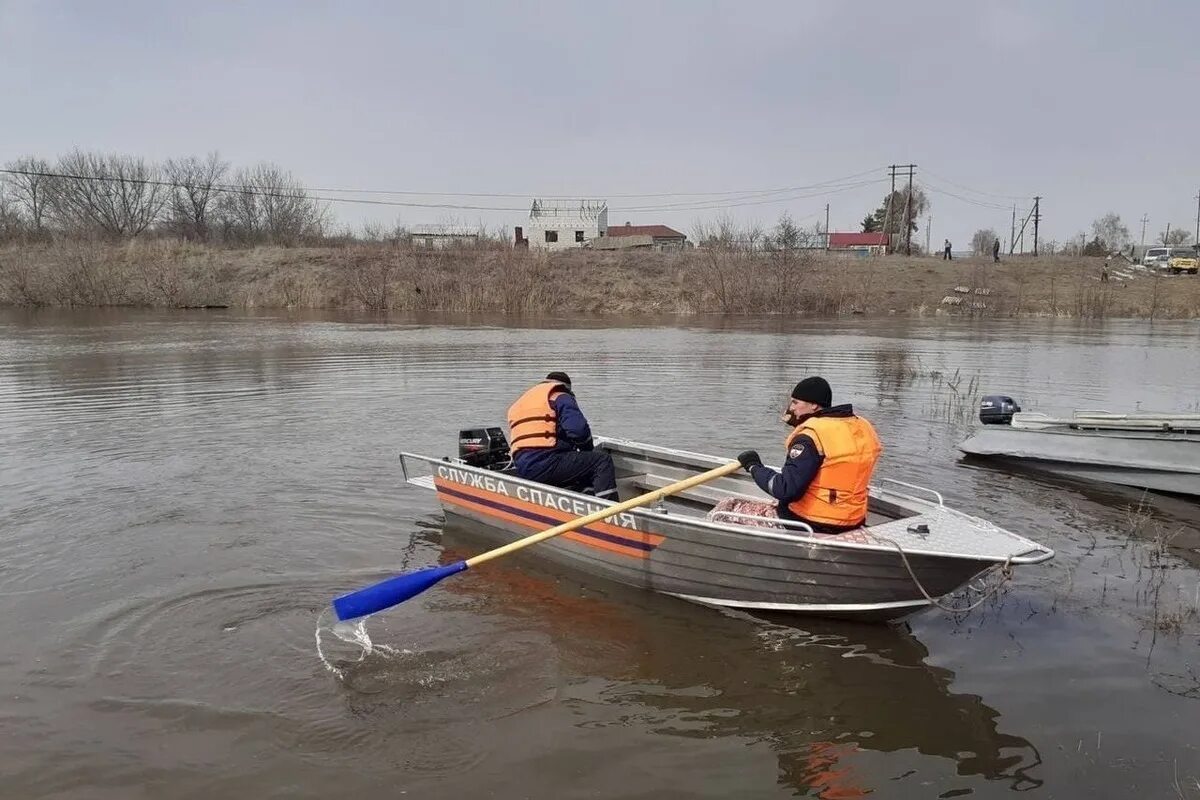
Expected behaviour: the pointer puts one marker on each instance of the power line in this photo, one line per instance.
(719, 205)
(826, 188)
(978, 191)
(731, 193)
(970, 200)
(247, 190)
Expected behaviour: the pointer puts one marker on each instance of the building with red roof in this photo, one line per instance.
(875, 244)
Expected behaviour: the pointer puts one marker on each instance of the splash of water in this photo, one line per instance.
(352, 633)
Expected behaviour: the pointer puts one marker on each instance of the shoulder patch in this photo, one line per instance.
(796, 451)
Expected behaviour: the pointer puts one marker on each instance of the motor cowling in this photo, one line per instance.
(997, 409)
(484, 447)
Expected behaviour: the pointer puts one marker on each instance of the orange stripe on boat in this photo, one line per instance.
(604, 536)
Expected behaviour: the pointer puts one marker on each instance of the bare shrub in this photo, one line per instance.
(162, 277)
(368, 276)
(520, 278)
(21, 282)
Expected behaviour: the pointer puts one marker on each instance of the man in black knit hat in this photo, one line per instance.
(831, 454)
(551, 441)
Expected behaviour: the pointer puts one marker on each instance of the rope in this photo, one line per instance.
(1006, 570)
(1005, 576)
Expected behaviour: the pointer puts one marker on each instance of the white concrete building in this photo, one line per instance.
(439, 237)
(560, 224)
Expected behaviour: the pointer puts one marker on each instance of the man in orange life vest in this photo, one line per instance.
(551, 441)
(831, 454)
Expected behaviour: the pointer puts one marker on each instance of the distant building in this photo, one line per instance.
(622, 243)
(562, 224)
(657, 236)
(863, 244)
(439, 237)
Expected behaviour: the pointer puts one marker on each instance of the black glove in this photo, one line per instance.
(749, 459)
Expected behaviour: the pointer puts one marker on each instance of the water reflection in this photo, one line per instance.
(1164, 520)
(817, 693)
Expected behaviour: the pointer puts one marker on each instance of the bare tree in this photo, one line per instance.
(785, 265)
(114, 195)
(752, 237)
(787, 235)
(372, 232)
(1175, 236)
(12, 224)
(720, 268)
(267, 204)
(1110, 230)
(724, 232)
(196, 186)
(981, 241)
(29, 189)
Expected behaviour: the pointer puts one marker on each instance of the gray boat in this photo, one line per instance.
(912, 551)
(1160, 452)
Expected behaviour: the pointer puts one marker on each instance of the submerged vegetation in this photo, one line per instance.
(392, 276)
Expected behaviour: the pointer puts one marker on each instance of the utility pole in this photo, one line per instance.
(908, 213)
(1036, 216)
(827, 227)
(1167, 235)
(1198, 219)
(1145, 219)
(1012, 232)
(928, 227)
(887, 214)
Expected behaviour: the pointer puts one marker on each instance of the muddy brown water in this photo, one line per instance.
(183, 493)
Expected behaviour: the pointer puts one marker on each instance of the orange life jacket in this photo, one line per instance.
(838, 493)
(532, 421)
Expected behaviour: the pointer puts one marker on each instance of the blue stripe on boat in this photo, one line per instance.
(549, 522)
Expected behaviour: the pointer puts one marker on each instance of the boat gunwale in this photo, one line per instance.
(1035, 554)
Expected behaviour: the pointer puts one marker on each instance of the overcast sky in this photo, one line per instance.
(1091, 104)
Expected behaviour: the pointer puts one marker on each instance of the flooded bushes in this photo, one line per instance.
(92, 273)
(386, 276)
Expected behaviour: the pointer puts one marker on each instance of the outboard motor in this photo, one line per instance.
(997, 409)
(484, 447)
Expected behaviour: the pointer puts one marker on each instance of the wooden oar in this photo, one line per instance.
(396, 590)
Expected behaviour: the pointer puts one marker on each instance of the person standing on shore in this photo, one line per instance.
(946, 252)
(995, 251)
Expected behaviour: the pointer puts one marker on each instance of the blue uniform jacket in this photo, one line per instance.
(571, 430)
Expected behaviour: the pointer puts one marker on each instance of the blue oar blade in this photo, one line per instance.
(391, 592)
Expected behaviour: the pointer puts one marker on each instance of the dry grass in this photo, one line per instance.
(385, 277)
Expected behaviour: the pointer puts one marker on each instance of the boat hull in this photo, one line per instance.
(848, 576)
(1159, 462)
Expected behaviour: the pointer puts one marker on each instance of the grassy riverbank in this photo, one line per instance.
(165, 273)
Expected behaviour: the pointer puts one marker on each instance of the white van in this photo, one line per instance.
(1157, 257)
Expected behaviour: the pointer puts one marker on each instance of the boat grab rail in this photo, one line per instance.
(937, 495)
(772, 520)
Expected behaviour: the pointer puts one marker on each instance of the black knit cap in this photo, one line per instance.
(561, 377)
(815, 390)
